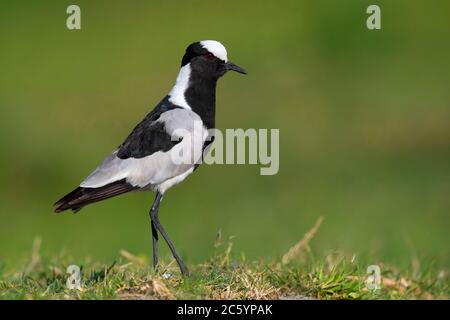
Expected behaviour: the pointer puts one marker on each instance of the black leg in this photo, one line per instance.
(155, 246)
(158, 226)
(154, 211)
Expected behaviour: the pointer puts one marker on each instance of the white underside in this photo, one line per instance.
(169, 183)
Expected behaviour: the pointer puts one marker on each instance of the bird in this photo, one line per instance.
(154, 155)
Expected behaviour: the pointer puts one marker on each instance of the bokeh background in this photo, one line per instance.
(363, 118)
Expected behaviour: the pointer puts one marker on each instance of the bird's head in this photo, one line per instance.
(209, 58)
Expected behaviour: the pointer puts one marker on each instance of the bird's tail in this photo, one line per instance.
(81, 197)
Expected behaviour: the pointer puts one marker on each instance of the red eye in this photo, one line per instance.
(209, 55)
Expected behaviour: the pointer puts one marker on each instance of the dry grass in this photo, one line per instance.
(295, 251)
(336, 276)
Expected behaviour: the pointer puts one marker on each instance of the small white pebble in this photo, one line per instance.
(166, 275)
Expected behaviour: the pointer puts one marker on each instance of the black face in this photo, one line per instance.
(207, 64)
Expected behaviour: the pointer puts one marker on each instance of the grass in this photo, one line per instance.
(297, 275)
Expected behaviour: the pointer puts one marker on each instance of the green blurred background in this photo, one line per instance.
(363, 118)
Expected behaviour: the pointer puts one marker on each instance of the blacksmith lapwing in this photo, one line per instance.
(149, 158)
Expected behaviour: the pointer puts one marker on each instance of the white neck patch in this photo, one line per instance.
(216, 48)
(176, 95)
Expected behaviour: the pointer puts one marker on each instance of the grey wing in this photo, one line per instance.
(150, 168)
(110, 170)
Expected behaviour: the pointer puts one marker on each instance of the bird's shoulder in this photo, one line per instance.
(155, 132)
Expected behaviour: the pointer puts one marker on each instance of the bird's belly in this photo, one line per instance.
(169, 183)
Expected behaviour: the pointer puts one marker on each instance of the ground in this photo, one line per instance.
(298, 275)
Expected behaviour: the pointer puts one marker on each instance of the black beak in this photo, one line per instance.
(231, 66)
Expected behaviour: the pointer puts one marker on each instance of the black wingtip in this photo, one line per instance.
(81, 197)
(64, 203)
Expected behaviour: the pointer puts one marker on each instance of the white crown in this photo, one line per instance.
(216, 48)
